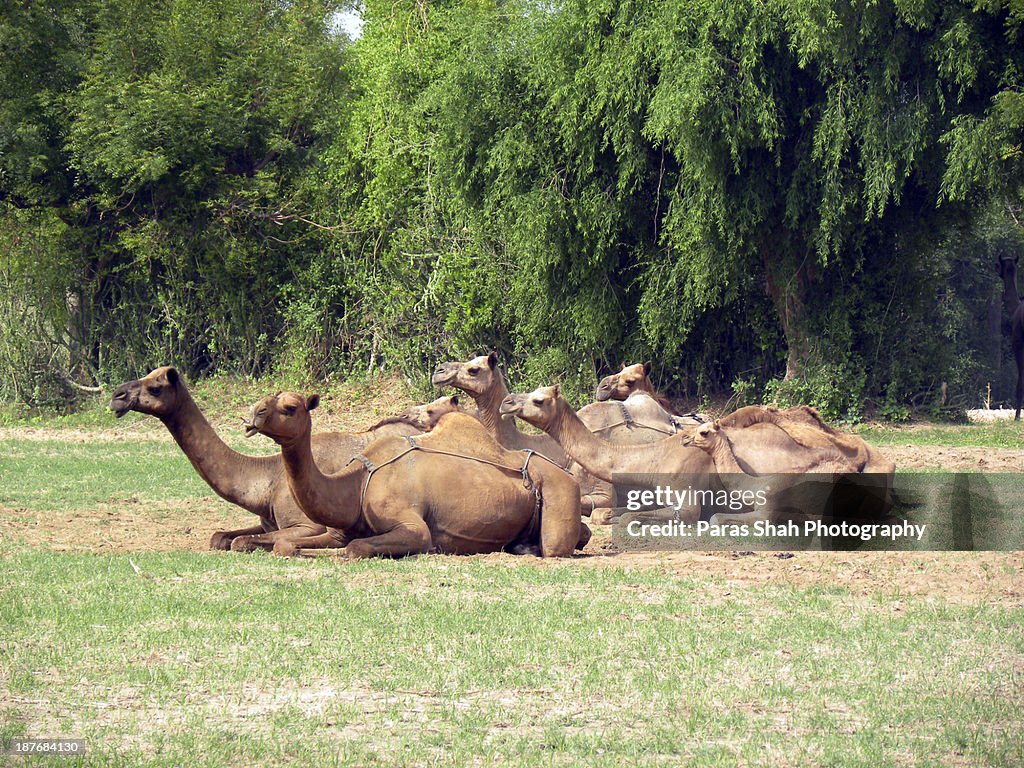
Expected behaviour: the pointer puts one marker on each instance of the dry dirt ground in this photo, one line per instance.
(133, 525)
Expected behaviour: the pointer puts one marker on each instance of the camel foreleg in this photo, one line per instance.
(223, 539)
(409, 537)
(249, 543)
(561, 531)
(332, 539)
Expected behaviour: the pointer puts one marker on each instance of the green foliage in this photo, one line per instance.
(742, 191)
(835, 390)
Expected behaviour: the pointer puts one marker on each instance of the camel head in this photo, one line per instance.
(619, 386)
(426, 416)
(159, 394)
(1007, 266)
(283, 417)
(538, 408)
(474, 377)
(706, 435)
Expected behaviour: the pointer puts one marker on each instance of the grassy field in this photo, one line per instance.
(117, 626)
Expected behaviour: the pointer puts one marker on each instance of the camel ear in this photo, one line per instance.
(557, 389)
(647, 368)
(454, 399)
(492, 359)
(172, 376)
(312, 402)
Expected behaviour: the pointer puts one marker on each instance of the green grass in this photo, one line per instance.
(56, 474)
(218, 659)
(1001, 434)
(215, 660)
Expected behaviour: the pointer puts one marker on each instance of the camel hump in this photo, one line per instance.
(463, 434)
(811, 417)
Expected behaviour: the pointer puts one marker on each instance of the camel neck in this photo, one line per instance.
(332, 500)
(235, 477)
(724, 456)
(1011, 299)
(488, 404)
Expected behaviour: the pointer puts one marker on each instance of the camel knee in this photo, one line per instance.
(585, 535)
(243, 544)
(285, 548)
(220, 540)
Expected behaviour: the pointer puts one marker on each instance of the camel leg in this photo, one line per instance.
(1018, 353)
(560, 530)
(329, 540)
(223, 539)
(411, 536)
(269, 540)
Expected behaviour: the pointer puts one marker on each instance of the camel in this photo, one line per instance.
(760, 449)
(255, 483)
(1007, 269)
(423, 417)
(805, 425)
(482, 380)
(803, 491)
(633, 379)
(454, 491)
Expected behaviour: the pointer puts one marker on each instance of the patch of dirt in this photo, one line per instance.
(950, 458)
(134, 525)
(958, 577)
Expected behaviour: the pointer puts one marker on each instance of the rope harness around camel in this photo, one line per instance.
(630, 423)
(524, 471)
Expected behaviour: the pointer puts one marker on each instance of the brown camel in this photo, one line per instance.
(454, 491)
(805, 425)
(804, 491)
(631, 379)
(423, 417)
(760, 449)
(482, 380)
(255, 483)
(1007, 268)
(635, 379)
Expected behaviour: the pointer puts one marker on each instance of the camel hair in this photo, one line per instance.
(1007, 268)
(762, 448)
(453, 491)
(255, 483)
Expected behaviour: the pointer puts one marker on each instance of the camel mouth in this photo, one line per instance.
(121, 404)
(442, 377)
(603, 393)
(509, 407)
(249, 426)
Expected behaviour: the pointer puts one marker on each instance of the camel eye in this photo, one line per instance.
(153, 390)
(289, 410)
(473, 371)
(538, 401)
(630, 382)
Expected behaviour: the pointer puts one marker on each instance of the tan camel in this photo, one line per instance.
(803, 492)
(760, 449)
(482, 380)
(635, 379)
(631, 379)
(423, 417)
(454, 490)
(256, 483)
